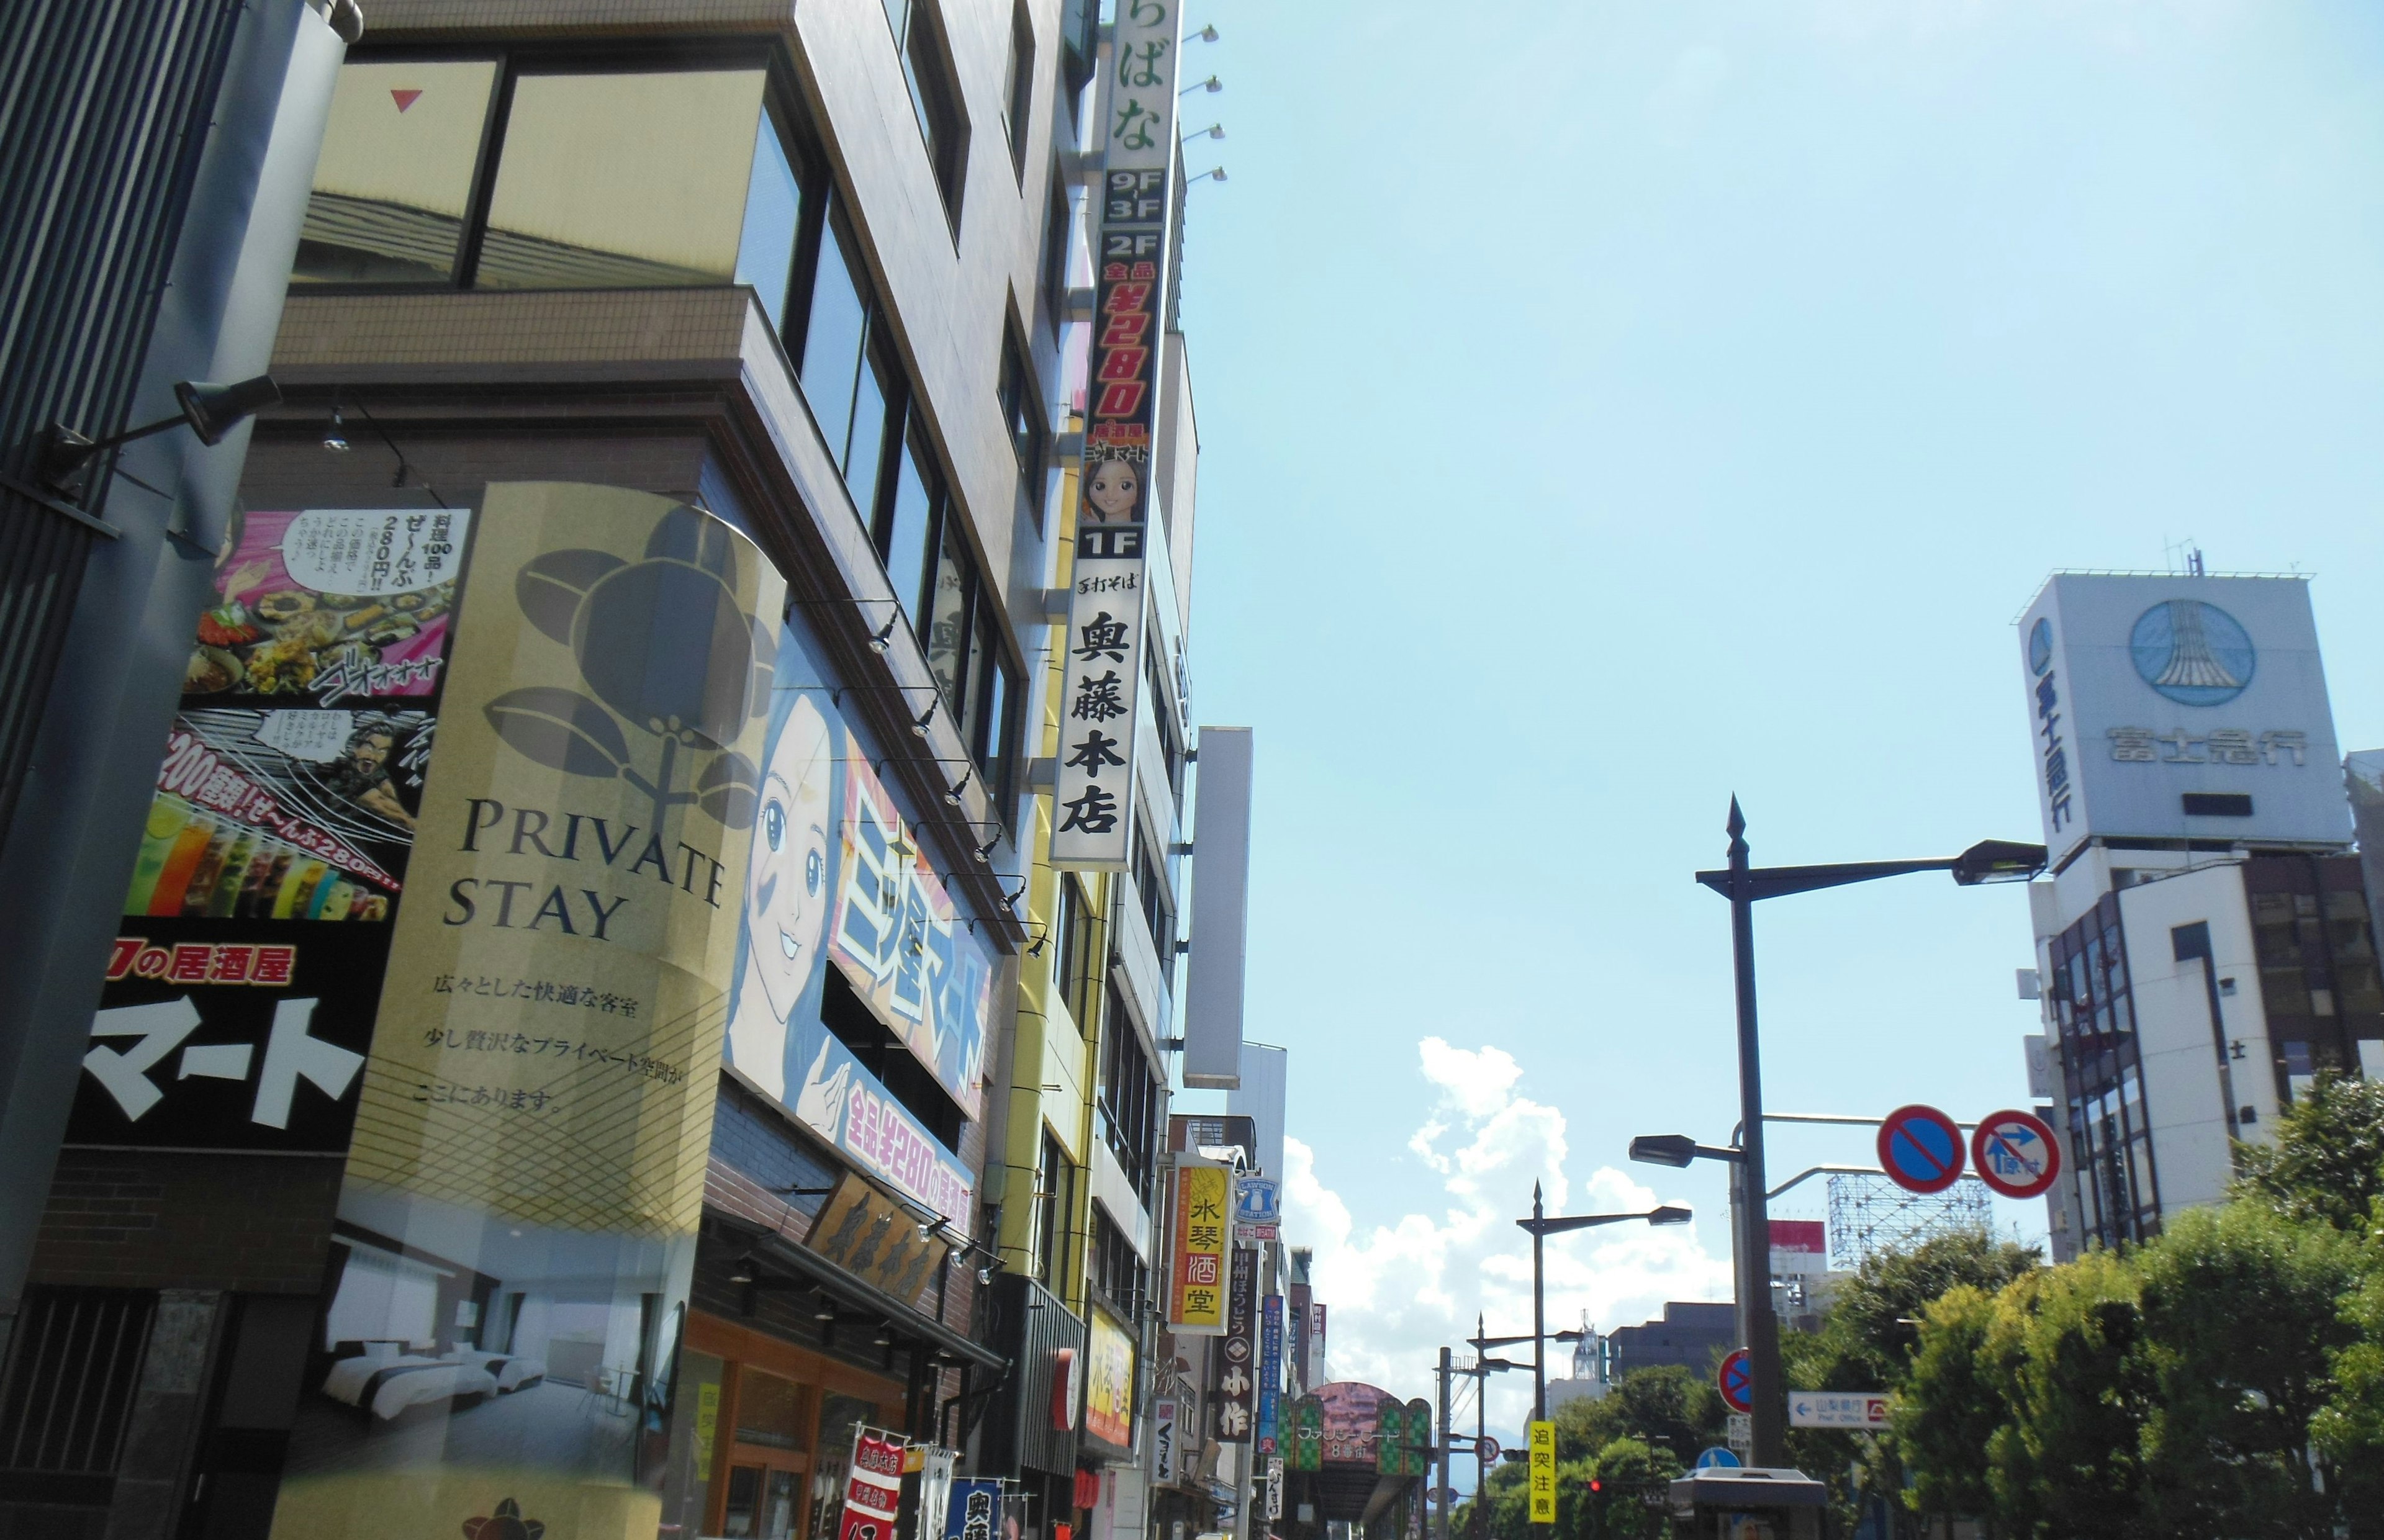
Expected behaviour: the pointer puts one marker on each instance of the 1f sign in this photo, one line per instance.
(1093, 807)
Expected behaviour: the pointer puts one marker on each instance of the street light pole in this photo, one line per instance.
(1762, 1329)
(1440, 1452)
(1539, 1316)
(1989, 861)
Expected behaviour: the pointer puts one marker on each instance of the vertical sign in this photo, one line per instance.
(1195, 1292)
(1270, 1370)
(1093, 825)
(872, 1488)
(1162, 1443)
(1275, 1488)
(1316, 1343)
(521, 1197)
(1236, 1352)
(1544, 1473)
(1102, 675)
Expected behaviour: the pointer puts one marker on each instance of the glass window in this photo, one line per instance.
(989, 729)
(935, 96)
(622, 180)
(876, 393)
(948, 638)
(393, 184)
(910, 524)
(774, 213)
(1018, 84)
(833, 339)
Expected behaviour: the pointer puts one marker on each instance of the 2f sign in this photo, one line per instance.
(1131, 245)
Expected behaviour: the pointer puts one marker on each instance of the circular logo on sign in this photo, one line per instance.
(2039, 646)
(2195, 654)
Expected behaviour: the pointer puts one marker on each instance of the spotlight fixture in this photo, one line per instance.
(1035, 947)
(954, 795)
(881, 1339)
(919, 728)
(1214, 131)
(984, 1275)
(824, 1313)
(883, 638)
(210, 411)
(1214, 173)
(1212, 85)
(335, 436)
(1010, 900)
(1207, 34)
(985, 852)
(742, 1271)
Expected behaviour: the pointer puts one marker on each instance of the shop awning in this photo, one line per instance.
(861, 1295)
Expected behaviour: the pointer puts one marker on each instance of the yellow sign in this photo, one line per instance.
(1109, 1382)
(1203, 1219)
(518, 1218)
(1544, 1473)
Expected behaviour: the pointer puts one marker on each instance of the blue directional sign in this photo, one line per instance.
(1920, 1148)
(1715, 1459)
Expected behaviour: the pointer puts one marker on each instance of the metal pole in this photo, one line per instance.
(1481, 1429)
(1770, 1407)
(1539, 1325)
(1440, 1451)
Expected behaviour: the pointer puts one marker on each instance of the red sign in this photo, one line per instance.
(2015, 1153)
(872, 1488)
(1735, 1379)
(1920, 1148)
(1063, 1390)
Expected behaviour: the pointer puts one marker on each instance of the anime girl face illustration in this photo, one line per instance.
(787, 893)
(1114, 488)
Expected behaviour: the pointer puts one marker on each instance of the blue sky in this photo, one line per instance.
(1605, 408)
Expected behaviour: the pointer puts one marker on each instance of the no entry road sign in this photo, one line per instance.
(1920, 1148)
(1736, 1381)
(2015, 1153)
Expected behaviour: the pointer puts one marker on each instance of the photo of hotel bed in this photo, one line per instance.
(536, 1355)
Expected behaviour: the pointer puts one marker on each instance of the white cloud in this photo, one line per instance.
(1397, 1293)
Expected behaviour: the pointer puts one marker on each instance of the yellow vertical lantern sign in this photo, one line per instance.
(516, 1227)
(1544, 1473)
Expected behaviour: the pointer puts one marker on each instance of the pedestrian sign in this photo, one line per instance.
(1920, 1149)
(1716, 1457)
(2015, 1153)
(1736, 1381)
(1544, 1473)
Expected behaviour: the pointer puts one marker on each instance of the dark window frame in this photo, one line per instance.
(1018, 98)
(924, 53)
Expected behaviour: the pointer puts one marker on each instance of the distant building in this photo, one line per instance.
(1588, 1379)
(1691, 1335)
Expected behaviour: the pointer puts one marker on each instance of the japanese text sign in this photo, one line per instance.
(1837, 1409)
(1101, 656)
(1236, 1353)
(1544, 1473)
(1197, 1280)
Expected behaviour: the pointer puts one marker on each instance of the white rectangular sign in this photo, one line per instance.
(1837, 1409)
(1102, 658)
(2181, 707)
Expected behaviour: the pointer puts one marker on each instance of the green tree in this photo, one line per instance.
(2070, 1465)
(2349, 1430)
(1665, 1406)
(2242, 1315)
(1952, 1406)
(2327, 1161)
(1627, 1469)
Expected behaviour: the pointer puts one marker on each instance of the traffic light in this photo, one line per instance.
(1596, 1485)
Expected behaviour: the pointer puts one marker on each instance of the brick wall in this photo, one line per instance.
(130, 1218)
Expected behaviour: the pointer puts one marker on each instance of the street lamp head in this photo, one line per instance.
(1998, 861)
(1667, 1215)
(1664, 1150)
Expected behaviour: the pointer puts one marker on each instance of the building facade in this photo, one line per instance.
(748, 333)
(2205, 942)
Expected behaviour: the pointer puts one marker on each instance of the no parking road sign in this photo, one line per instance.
(1920, 1148)
(1736, 1381)
(2015, 1153)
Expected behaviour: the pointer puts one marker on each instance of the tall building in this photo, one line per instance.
(153, 168)
(606, 1029)
(2205, 942)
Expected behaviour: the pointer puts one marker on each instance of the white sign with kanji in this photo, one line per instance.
(1837, 1409)
(1092, 808)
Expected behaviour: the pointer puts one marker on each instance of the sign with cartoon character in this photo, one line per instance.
(516, 1224)
(839, 877)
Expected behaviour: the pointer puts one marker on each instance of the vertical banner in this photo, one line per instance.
(975, 1510)
(1307, 1433)
(872, 1488)
(1270, 1370)
(1196, 1284)
(1544, 1473)
(1274, 1489)
(235, 1015)
(1237, 1365)
(1316, 1343)
(516, 1225)
(1162, 1443)
(1094, 824)
(1103, 674)
(1109, 1382)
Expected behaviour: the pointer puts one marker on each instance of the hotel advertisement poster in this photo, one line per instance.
(516, 1225)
